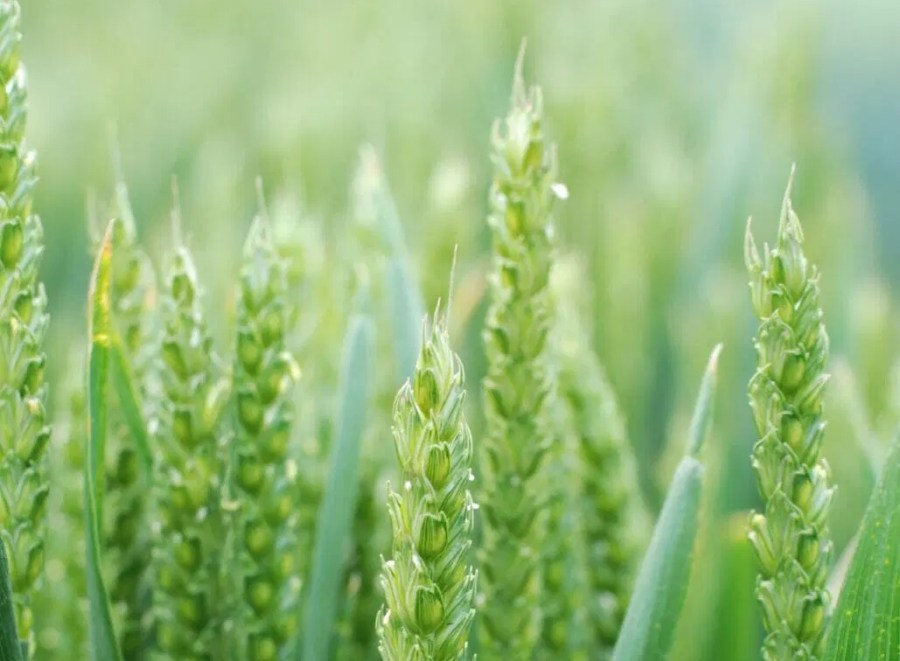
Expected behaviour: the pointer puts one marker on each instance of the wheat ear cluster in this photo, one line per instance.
(429, 583)
(264, 476)
(517, 387)
(189, 530)
(786, 394)
(24, 433)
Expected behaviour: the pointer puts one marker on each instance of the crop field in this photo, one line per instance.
(453, 330)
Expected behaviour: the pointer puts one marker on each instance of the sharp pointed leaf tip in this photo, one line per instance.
(700, 422)
(712, 366)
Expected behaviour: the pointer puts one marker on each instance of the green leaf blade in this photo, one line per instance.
(10, 645)
(102, 636)
(659, 593)
(334, 523)
(130, 403)
(408, 313)
(866, 622)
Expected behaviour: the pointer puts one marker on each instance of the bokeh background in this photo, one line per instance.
(675, 122)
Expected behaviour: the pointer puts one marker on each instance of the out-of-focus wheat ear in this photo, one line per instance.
(518, 387)
(191, 518)
(23, 323)
(264, 472)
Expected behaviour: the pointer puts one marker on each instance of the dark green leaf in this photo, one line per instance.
(866, 623)
(130, 403)
(10, 646)
(339, 501)
(659, 593)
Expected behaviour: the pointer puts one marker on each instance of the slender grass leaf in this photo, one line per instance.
(130, 403)
(407, 306)
(659, 593)
(407, 311)
(339, 500)
(102, 636)
(866, 623)
(10, 645)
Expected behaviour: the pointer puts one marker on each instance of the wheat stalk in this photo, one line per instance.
(428, 582)
(23, 322)
(517, 388)
(786, 394)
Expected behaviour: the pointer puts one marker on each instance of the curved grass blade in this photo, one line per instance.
(130, 403)
(649, 626)
(102, 636)
(407, 312)
(865, 623)
(336, 511)
(406, 301)
(10, 645)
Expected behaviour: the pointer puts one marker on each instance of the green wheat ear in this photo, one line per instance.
(786, 394)
(23, 322)
(263, 474)
(190, 530)
(518, 388)
(612, 521)
(428, 583)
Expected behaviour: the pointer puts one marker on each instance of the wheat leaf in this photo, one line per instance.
(10, 645)
(865, 623)
(407, 306)
(659, 593)
(103, 645)
(336, 512)
(130, 403)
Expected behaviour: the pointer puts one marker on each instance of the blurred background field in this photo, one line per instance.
(675, 122)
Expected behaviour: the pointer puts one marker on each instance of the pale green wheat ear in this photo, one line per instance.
(786, 394)
(23, 322)
(190, 528)
(429, 583)
(518, 388)
(264, 475)
(612, 522)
